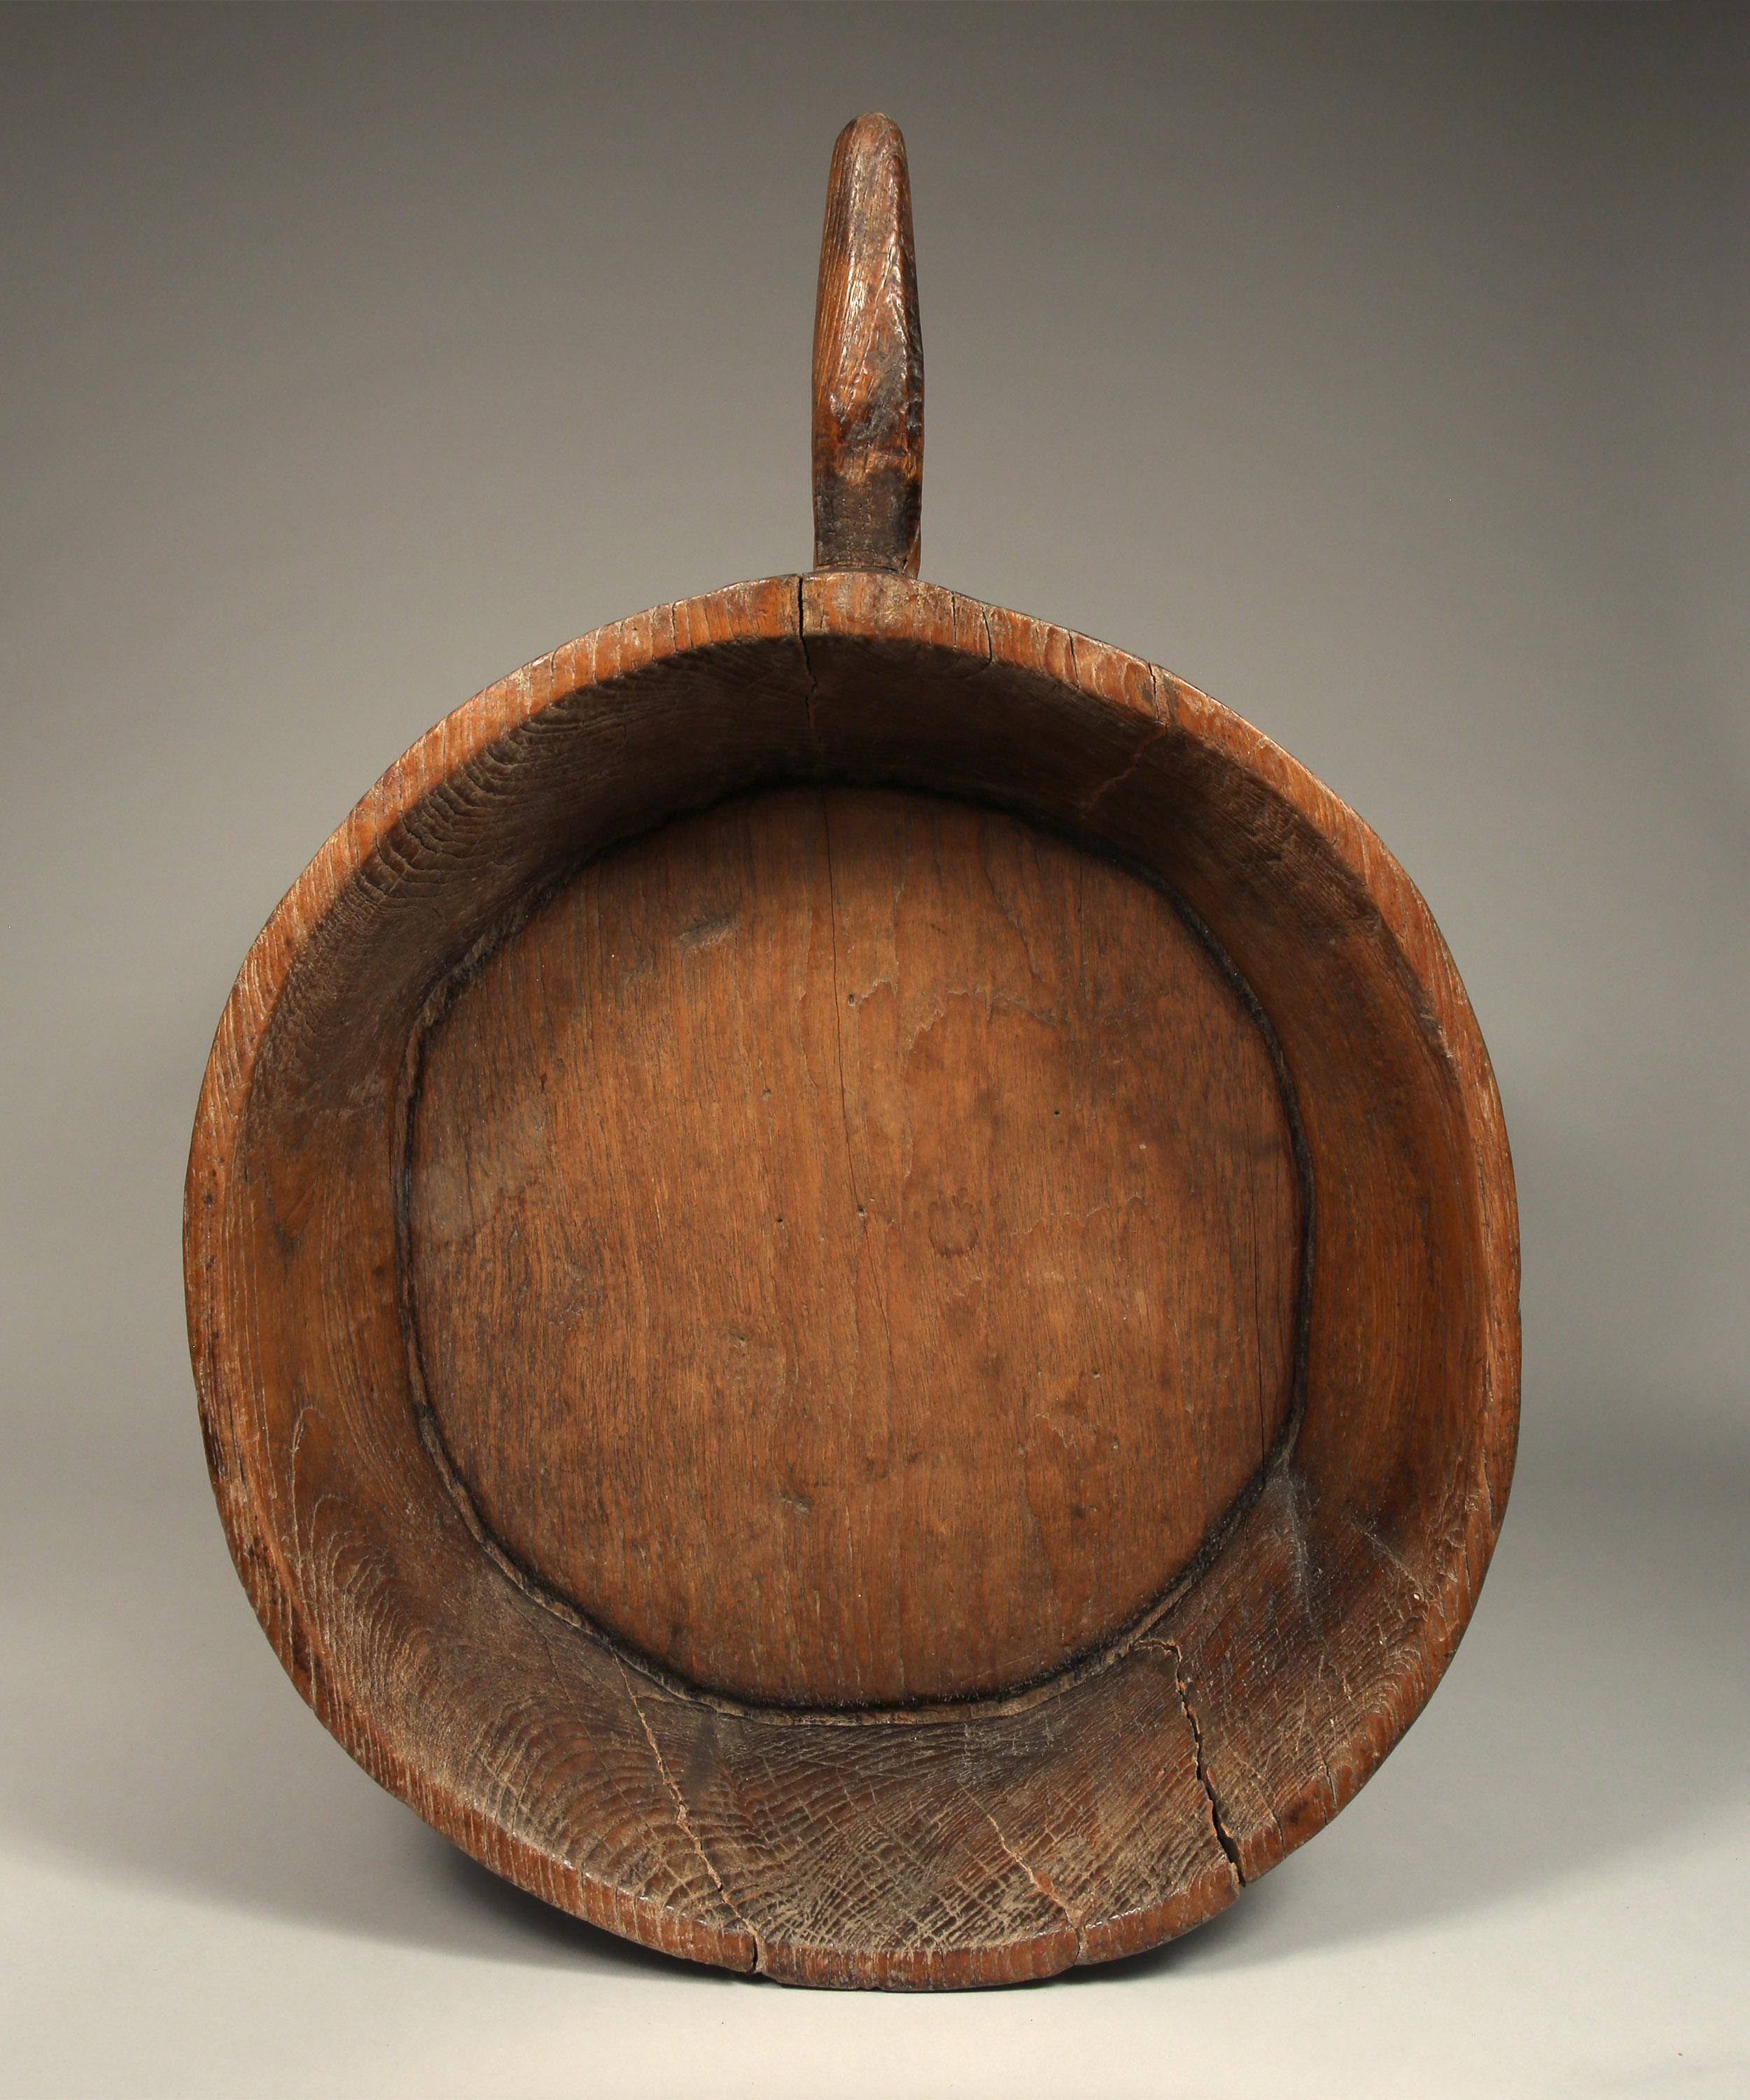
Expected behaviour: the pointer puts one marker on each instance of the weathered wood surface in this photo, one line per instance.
(665, 1195)
(1103, 1809)
(853, 1247)
(868, 360)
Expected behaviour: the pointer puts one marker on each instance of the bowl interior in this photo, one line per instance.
(783, 1593)
(852, 1246)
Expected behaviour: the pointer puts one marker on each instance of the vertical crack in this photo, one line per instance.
(1042, 1882)
(864, 1243)
(812, 686)
(1171, 1649)
(685, 1820)
(838, 1028)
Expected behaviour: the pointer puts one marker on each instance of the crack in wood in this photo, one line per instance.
(1041, 1882)
(685, 1820)
(1171, 1650)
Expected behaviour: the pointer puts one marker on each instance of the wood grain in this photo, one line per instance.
(1103, 1809)
(868, 360)
(852, 1265)
(853, 1247)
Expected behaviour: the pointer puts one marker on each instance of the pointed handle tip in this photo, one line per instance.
(868, 419)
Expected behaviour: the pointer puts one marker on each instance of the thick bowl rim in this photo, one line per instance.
(848, 608)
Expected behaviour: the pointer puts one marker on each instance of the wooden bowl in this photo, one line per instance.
(852, 1263)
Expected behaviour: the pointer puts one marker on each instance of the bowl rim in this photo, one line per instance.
(842, 606)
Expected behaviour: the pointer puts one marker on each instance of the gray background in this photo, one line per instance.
(1382, 373)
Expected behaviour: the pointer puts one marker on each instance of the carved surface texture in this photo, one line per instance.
(853, 1246)
(868, 360)
(1111, 1806)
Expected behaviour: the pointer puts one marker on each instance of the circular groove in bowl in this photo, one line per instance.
(853, 1248)
(1133, 1803)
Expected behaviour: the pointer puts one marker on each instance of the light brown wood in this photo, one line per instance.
(483, 1203)
(853, 1247)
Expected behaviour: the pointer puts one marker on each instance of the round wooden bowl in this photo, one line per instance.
(852, 1263)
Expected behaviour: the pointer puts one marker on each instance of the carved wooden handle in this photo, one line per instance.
(868, 360)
